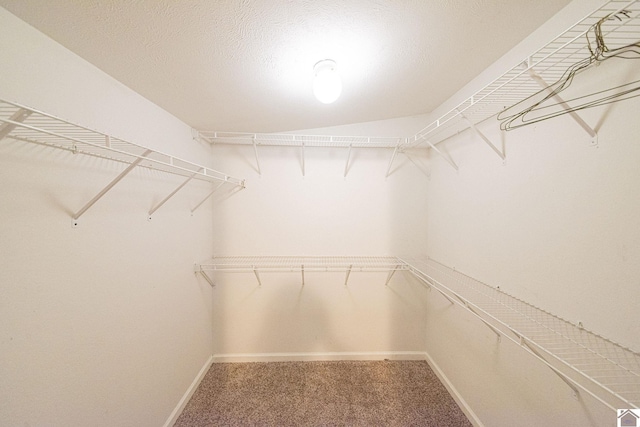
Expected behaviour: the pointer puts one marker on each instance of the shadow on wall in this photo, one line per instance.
(281, 316)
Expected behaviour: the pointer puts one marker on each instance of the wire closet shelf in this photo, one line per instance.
(297, 140)
(607, 371)
(309, 263)
(539, 70)
(28, 125)
(300, 264)
(586, 361)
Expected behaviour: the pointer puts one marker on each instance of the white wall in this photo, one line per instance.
(104, 324)
(322, 213)
(557, 226)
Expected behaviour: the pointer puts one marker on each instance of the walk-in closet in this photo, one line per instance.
(357, 212)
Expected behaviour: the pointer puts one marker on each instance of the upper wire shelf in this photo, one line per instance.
(296, 140)
(542, 68)
(583, 359)
(26, 124)
(537, 71)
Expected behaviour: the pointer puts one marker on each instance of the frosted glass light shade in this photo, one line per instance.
(327, 84)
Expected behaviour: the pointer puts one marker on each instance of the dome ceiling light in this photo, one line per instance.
(327, 85)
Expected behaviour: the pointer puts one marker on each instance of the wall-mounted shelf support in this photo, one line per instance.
(575, 116)
(564, 378)
(109, 186)
(389, 276)
(196, 269)
(482, 136)
(393, 156)
(346, 279)
(303, 159)
(166, 199)
(255, 150)
(208, 195)
(447, 158)
(466, 305)
(255, 271)
(346, 166)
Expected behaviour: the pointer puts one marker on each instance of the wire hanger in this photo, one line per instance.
(599, 52)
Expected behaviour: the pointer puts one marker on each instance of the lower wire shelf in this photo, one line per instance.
(301, 264)
(585, 361)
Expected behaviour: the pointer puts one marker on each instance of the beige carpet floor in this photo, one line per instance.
(341, 393)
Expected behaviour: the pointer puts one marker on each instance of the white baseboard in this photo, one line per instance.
(290, 357)
(187, 395)
(464, 406)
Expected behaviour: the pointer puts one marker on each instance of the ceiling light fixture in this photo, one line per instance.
(327, 85)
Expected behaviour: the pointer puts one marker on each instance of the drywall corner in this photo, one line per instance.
(187, 395)
(464, 406)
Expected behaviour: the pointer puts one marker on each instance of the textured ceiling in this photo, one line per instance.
(247, 65)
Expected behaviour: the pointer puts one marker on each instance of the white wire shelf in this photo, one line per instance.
(545, 67)
(310, 263)
(296, 140)
(300, 264)
(25, 124)
(586, 361)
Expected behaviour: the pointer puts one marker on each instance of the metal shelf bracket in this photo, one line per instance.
(346, 166)
(575, 116)
(208, 195)
(109, 186)
(348, 273)
(255, 150)
(481, 135)
(447, 158)
(159, 205)
(198, 269)
(529, 347)
(393, 156)
(255, 271)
